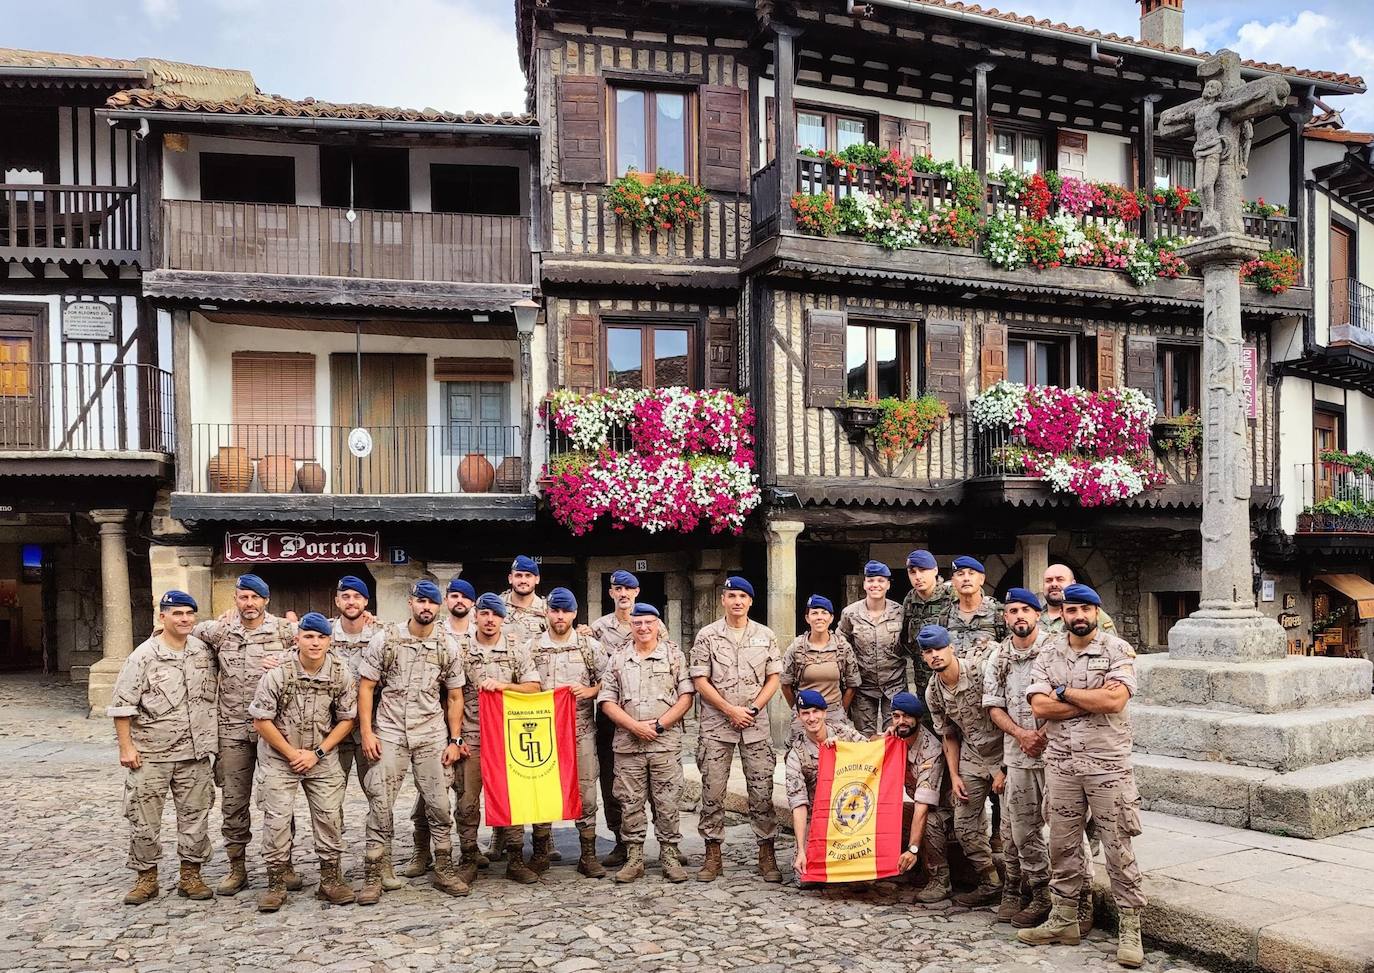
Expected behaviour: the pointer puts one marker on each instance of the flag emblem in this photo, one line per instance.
(853, 804)
(529, 757)
(855, 831)
(529, 740)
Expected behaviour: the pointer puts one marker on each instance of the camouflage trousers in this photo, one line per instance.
(870, 714)
(350, 756)
(382, 783)
(276, 785)
(419, 817)
(1023, 824)
(588, 774)
(758, 760)
(234, 777)
(1115, 805)
(654, 777)
(971, 817)
(605, 759)
(145, 793)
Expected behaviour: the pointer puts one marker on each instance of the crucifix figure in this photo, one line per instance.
(1222, 126)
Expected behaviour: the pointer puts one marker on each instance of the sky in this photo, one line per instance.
(460, 54)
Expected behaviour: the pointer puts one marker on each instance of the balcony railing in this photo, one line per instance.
(996, 452)
(68, 222)
(1336, 499)
(69, 407)
(1352, 313)
(278, 458)
(315, 241)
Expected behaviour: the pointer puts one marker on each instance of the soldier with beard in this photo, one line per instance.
(1057, 578)
(927, 785)
(524, 608)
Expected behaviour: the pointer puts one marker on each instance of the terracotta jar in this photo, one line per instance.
(229, 470)
(277, 473)
(310, 478)
(508, 475)
(475, 473)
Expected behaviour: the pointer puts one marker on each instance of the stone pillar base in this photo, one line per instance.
(1226, 635)
(100, 685)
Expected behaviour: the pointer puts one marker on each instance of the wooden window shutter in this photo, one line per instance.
(770, 129)
(1140, 363)
(581, 129)
(915, 138)
(272, 402)
(824, 357)
(1073, 153)
(474, 370)
(722, 354)
(992, 355)
(889, 132)
(723, 128)
(582, 345)
(1105, 377)
(945, 362)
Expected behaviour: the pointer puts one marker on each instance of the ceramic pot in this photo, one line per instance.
(310, 478)
(229, 470)
(475, 473)
(277, 473)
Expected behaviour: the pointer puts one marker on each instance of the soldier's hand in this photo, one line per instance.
(372, 747)
(829, 743)
(585, 692)
(799, 860)
(906, 862)
(645, 731)
(270, 661)
(464, 752)
(999, 782)
(291, 616)
(491, 685)
(303, 761)
(451, 755)
(584, 630)
(956, 784)
(740, 718)
(368, 618)
(130, 757)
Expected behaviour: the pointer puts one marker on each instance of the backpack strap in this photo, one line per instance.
(588, 656)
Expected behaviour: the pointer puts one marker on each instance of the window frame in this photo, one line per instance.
(287, 159)
(446, 396)
(904, 358)
(651, 89)
(1020, 132)
(452, 170)
(830, 117)
(642, 323)
(1176, 600)
(1064, 343)
(1164, 378)
(1171, 159)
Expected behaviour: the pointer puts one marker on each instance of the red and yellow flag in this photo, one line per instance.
(529, 756)
(855, 832)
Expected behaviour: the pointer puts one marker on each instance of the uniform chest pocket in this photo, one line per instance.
(1094, 674)
(167, 691)
(753, 658)
(657, 682)
(429, 674)
(891, 628)
(203, 681)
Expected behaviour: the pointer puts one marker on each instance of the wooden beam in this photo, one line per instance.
(980, 120)
(181, 397)
(1146, 155)
(785, 120)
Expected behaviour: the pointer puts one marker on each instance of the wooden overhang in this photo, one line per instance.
(1350, 181)
(351, 508)
(344, 293)
(645, 272)
(1345, 366)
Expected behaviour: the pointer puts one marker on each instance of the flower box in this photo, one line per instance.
(859, 420)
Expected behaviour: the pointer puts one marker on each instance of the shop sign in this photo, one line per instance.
(301, 547)
(1290, 620)
(1249, 375)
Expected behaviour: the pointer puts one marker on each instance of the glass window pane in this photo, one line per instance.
(848, 131)
(1161, 366)
(624, 362)
(1185, 170)
(1161, 173)
(856, 361)
(1016, 362)
(1003, 150)
(670, 357)
(1032, 153)
(671, 130)
(810, 130)
(888, 363)
(629, 131)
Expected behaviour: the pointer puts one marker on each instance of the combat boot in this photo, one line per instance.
(445, 878)
(587, 864)
(144, 887)
(294, 882)
(497, 851)
(1037, 911)
(234, 882)
(390, 881)
(273, 897)
(617, 855)
(634, 864)
(516, 869)
(472, 855)
(988, 891)
(938, 888)
(1061, 926)
(713, 866)
(539, 854)
(333, 889)
(1011, 901)
(768, 862)
(419, 861)
(1129, 951)
(371, 892)
(671, 864)
(191, 885)
(1085, 907)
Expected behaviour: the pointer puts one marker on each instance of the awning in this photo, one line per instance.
(1357, 589)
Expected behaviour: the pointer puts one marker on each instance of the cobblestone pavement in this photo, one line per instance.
(62, 877)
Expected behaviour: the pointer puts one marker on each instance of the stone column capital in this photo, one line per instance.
(1235, 248)
(198, 557)
(117, 520)
(784, 531)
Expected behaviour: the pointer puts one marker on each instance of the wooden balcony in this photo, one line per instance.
(98, 224)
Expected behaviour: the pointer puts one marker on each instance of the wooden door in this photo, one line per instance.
(1342, 278)
(392, 396)
(1326, 435)
(24, 381)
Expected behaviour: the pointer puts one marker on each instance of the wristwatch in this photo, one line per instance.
(659, 728)
(753, 710)
(1059, 692)
(455, 741)
(319, 753)
(914, 849)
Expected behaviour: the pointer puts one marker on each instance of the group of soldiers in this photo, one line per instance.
(1019, 700)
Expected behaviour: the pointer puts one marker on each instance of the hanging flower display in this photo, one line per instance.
(662, 200)
(1273, 271)
(907, 424)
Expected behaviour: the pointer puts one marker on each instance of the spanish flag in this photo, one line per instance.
(855, 832)
(529, 757)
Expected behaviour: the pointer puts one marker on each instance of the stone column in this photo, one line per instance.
(393, 588)
(1035, 559)
(186, 569)
(705, 604)
(116, 620)
(782, 604)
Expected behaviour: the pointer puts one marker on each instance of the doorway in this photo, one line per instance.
(393, 410)
(305, 588)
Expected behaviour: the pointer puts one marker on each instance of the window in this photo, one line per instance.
(29, 151)
(364, 178)
(1176, 380)
(489, 190)
(273, 403)
(1172, 606)
(234, 178)
(1326, 437)
(646, 356)
(653, 130)
(478, 417)
(829, 130)
(1015, 149)
(1038, 361)
(875, 361)
(1173, 171)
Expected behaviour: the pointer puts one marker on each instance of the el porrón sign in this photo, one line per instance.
(301, 547)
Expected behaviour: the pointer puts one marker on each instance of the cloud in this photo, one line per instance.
(1208, 36)
(161, 11)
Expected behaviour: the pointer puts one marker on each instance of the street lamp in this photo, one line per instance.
(526, 313)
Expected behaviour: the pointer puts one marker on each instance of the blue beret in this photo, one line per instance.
(350, 583)
(1024, 597)
(625, 579)
(491, 603)
(932, 637)
(811, 699)
(964, 561)
(877, 569)
(563, 600)
(820, 601)
(178, 599)
(908, 703)
(424, 588)
(921, 559)
(643, 608)
(523, 563)
(315, 622)
(736, 583)
(251, 582)
(463, 588)
(1081, 594)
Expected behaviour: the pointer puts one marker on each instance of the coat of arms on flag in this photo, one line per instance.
(855, 831)
(529, 756)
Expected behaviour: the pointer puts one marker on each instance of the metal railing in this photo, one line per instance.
(1352, 313)
(277, 458)
(1336, 498)
(70, 406)
(997, 453)
(74, 222)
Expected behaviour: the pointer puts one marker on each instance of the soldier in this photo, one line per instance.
(646, 692)
(568, 658)
(929, 596)
(1006, 675)
(736, 668)
(524, 608)
(302, 711)
(973, 752)
(352, 629)
(802, 760)
(927, 785)
(420, 679)
(494, 658)
(823, 660)
(973, 619)
(163, 706)
(873, 625)
(1057, 578)
(1081, 684)
(247, 642)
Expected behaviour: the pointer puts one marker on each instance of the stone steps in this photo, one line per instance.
(1256, 687)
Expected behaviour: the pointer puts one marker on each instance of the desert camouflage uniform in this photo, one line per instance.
(305, 708)
(880, 662)
(239, 653)
(646, 687)
(1054, 625)
(927, 783)
(737, 671)
(917, 612)
(530, 621)
(412, 677)
(1088, 765)
(578, 662)
(169, 698)
(977, 634)
(801, 764)
(349, 648)
(830, 671)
